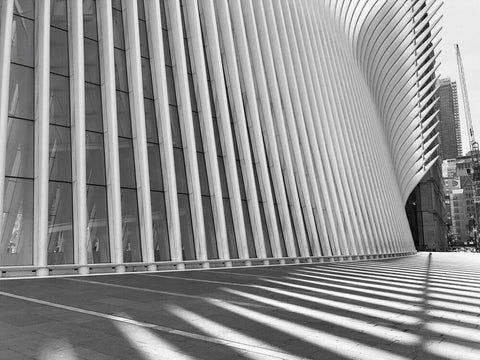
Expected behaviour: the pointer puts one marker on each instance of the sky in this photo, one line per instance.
(461, 25)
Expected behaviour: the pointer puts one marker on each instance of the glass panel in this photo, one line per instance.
(95, 158)
(58, 51)
(218, 144)
(142, 27)
(223, 176)
(90, 19)
(198, 132)
(188, 246)
(60, 221)
(117, 4)
(248, 231)
(92, 66)
(19, 155)
(212, 251)
(180, 171)
(118, 39)
(202, 172)
(155, 167)
(127, 165)
(16, 245)
(166, 47)
(268, 247)
(60, 154)
(193, 100)
(93, 108)
(175, 126)
(121, 81)
(123, 115)
(130, 230)
(22, 41)
(141, 9)
(163, 15)
(21, 93)
(150, 121)
(98, 246)
(172, 100)
(280, 231)
(59, 100)
(160, 227)
(147, 79)
(58, 12)
(241, 184)
(25, 8)
(232, 244)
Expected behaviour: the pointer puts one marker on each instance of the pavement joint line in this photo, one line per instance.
(164, 329)
(153, 291)
(199, 280)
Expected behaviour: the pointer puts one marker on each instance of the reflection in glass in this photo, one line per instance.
(180, 173)
(121, 81)
(93, 108)
(197, 130)
(92, 66)
(166, 46)
(147, 79)
(127, 165)
(130, 229)
(150, 121)
(19, 155)
(172, 100)
(25, 8)
(232, 243)
(188, 246)
(212, 251)
(118, 40)
(90, 19)
(123, 115)
(22, 41)
(98, 246)
(202, 172)
(141, 9)
(58, 12)
(59, 100)
(160, 227)
(95, 158)
(142, 27)
(193, 100)
(21, 92)
(60, 160)
(155, 167)
(16, 242)
(60, 223)
(248, 231)
(223, 176)
(58, 51)
(175, 126)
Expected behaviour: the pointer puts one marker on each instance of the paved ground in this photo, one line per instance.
(421, 307)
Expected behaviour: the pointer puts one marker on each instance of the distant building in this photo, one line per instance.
(449, 126)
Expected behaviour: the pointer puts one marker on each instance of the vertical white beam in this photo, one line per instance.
(251, 106)
(238, 116)
(42, 115)
(6, 18)
(77, 110)
(110, 128)
(139, 134)
(197, 59)
(223, 120)
(160, 92)
(179, 65)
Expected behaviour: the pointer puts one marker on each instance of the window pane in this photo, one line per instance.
(131, 233)
(58, 12)
(93, 108)
(123, 115)
(188, 246)
(117, 4)
(147, 79)
(58, 51)
(172, 100)
(98, 246)
(59, 100)
(218, 143)
(248, 231)
(19, 156)
(212, 251)
(21, 93)
(60, 154)
(180, 171)
(268, 247)
(160, 227)
(60, 229)
(150, 121)
(22, 41)
(166, 47)
(198, 132)
(155, 167)
(89, 19)
(121, 81)
(25, 8)
(280, 231)
(127, 166)
(223, 176)
(193, 99)
(92, 67)
(16, 245)
(232, 244)
(142, 26)
(202, 172)
(175, 126)
(118, 39)
(95, 158)
(141, 9)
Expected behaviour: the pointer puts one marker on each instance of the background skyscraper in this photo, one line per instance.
(449, 127)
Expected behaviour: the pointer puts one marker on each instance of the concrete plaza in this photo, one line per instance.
(419, 307)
